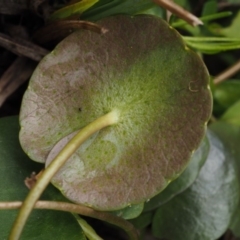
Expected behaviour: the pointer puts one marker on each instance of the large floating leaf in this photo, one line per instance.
(140, 68)
(205, 209)
(184, 180)
(15, 167)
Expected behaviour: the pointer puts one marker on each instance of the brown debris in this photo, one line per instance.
(10, 7)
(58, 30)
(31, 181)
(19, 72)
(22, 47)
(35, 4)
(179, 11)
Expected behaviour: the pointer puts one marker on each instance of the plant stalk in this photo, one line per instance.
(34, 194)
(179, 11)
(229, 72)
(79, 209)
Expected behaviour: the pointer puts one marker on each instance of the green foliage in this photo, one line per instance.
(210, 7)
(233, 29)
(199, 198)
(142, 221)
(232, 115)
(212, 45)
(106, 8)
(230, 136)
(205, 209)
(227, 93)
(130, 212)
(15, 167)
(73, 9)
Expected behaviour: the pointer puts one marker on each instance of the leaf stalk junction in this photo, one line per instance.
(31, 200)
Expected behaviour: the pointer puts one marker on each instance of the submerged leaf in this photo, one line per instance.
(142, 69)
(205, 209)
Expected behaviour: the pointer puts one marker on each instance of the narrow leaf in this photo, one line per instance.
(73, 9)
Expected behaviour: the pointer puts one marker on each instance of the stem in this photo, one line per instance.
(229, 72)
(79, 209)
(179, 11)
(55, 165)
(87, 229)
(215, 16)
(225, 4)
(55, 30)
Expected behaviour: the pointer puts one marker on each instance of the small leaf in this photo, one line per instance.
(184, 180)
(184, 3)
(155, 11)
(205, 209)
(233, 29)
(232, 115)
(129, 212)
(73, 9)
(210, 7)
(15, 167)
(227, 93)
(109, 8)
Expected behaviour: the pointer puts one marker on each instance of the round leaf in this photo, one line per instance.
(230, 135)
(205, 209)
(142, 69)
